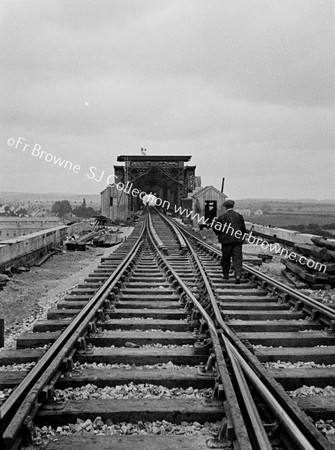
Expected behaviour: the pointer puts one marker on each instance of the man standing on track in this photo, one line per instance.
(231, 232)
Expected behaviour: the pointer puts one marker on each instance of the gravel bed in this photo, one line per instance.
(327, 427)
(308, 331)
(17, 367)
(262, 346)
(143, 319)
(47, 299)
(99, 427)
(151, 330)
(241, 321)
(326, 297)
(104, 366)
(297, 365)
(166, 346)
(324, 346)
(161, 287)
(4, 394)
(44, 347)
(311, 391)
(132, 345)
(129, 391)
(29, 295)
(271, 268)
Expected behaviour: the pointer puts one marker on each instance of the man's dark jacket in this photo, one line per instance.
(236, 221)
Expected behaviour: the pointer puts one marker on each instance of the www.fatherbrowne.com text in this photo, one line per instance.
(152, 199)
(251, 239)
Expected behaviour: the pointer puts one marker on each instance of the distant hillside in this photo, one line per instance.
(51, 196)
(283, 200)
(316, 206)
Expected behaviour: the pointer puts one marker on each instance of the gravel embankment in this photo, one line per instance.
(28, 295)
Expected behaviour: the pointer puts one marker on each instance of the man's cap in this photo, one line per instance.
(229, 203)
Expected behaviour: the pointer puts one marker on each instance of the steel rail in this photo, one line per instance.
(258, 427)
(28, 390)
(261, 435)
(298, 296)
(239, 425)
(300, 439)
(281, 414)
(158, 240)
(186, 289)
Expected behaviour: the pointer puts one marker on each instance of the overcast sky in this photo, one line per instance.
(244, 86)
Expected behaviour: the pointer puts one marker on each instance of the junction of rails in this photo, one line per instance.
(154, 349)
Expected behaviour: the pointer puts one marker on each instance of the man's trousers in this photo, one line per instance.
(231, 251)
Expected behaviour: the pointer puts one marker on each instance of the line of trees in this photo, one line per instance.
(63, 207)
(312, 228)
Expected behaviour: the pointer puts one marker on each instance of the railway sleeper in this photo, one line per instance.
(295, 378)
(289, 339)
(239, 325)
(320, 355)
(170, 378)
(261, 315)
(152, 306)
(142, 356)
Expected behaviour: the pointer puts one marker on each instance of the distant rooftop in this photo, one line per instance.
(123, 158)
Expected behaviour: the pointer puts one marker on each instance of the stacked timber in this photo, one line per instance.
(314, 263)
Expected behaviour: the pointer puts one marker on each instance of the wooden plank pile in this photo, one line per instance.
(315, 264)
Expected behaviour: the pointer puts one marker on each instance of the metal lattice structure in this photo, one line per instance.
(165, 176)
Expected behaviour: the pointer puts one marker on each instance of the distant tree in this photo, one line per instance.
(21, 212)
(62, 207)
(313, 226)
(84, 212)
(84, 203)
(8, 211)
(300, 227)
(266, 206)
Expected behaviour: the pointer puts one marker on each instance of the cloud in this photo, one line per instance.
(246, 87)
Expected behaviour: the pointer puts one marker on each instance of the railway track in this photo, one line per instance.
(284, 335)
(156, 350)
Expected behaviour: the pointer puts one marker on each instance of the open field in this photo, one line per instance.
(288, 219)
(304, 207)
